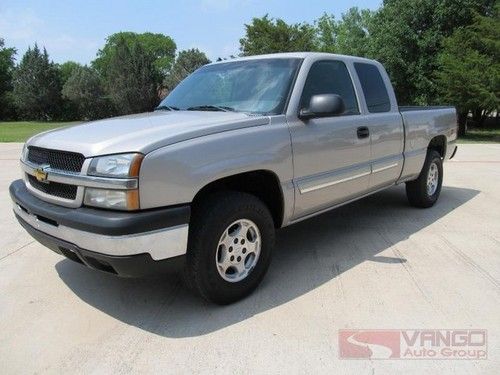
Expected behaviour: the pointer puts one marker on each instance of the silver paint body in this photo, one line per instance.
(320, 163)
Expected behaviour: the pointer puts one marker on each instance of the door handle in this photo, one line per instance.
(363, 132)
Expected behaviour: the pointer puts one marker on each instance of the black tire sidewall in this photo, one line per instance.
(416, 190)
(430, 200)
(436, 159)
(209, 231)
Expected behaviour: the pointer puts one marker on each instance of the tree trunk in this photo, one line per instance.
(476, 116)
(484, 116)
(462, 124)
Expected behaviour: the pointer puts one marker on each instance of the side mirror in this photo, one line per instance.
(323, 105)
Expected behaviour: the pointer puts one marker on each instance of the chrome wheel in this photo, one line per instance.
(238, 250)
(432, 179)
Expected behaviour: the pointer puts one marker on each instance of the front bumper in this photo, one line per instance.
(111, 239)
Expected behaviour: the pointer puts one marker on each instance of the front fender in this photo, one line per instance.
(175, 174)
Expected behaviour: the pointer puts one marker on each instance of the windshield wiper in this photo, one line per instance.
(210, 107)
(166, 107)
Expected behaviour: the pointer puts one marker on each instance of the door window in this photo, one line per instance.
(330, 77)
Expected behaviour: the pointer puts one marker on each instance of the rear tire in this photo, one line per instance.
(425, 190)
(231, 237)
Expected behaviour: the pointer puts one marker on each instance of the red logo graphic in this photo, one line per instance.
(357, 344)
(413, 344)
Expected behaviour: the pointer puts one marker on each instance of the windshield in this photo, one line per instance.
(252, 86)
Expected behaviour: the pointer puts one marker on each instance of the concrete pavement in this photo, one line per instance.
(374, 264)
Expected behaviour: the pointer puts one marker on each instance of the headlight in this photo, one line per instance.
(121, 165)
(116, 166)
(127, 200)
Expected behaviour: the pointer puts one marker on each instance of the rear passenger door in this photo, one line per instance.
(331, 157)
(384, 123)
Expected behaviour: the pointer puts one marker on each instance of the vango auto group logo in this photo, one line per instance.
(413, 344)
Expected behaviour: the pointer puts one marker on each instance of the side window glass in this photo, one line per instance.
(376, 96)
(330, 77)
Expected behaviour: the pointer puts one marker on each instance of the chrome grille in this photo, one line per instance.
(62, 160)
(54, 188)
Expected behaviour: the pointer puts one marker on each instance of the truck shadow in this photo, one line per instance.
(307, 255)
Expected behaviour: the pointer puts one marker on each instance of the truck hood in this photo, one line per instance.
(142, 132)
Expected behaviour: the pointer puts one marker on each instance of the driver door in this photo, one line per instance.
(331, 155)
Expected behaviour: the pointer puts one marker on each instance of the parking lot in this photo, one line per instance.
(374, 264)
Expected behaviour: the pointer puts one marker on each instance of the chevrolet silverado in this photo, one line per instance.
(237, 150)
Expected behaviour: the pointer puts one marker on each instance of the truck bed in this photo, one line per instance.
(421, 125)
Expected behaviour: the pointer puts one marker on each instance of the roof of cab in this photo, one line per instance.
(296, 55)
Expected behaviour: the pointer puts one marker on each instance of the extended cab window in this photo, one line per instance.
(330, 77)
(376, 96)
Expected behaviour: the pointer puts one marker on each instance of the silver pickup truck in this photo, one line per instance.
(237, 150)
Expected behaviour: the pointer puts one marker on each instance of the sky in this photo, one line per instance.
(75, 30)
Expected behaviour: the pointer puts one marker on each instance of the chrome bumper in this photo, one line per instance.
(160, 244)
(162, 233)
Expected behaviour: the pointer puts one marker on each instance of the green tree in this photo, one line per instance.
(69, 109)
(269, 35)
(37, 86)
(407, 36)
(83, 89)
(6, 72)
(159, 47)
(348, 36)
(130, 78)
(469, 69)
(186, 62)
(66, 70)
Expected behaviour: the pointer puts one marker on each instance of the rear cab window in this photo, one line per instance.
(374, 88)
(330, 77)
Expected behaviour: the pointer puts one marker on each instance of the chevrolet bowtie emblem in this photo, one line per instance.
(41, 173)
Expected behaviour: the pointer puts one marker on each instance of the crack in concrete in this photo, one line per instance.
(15, 251)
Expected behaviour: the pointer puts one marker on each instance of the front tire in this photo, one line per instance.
(425, 190)
(230, 244)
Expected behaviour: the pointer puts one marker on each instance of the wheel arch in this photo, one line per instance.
(264, 184)
(438, 144)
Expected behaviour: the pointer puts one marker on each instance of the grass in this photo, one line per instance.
(481, 136)
(20, 131)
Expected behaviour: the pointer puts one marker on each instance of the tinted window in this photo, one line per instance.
(377, 98)
(330, 77)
